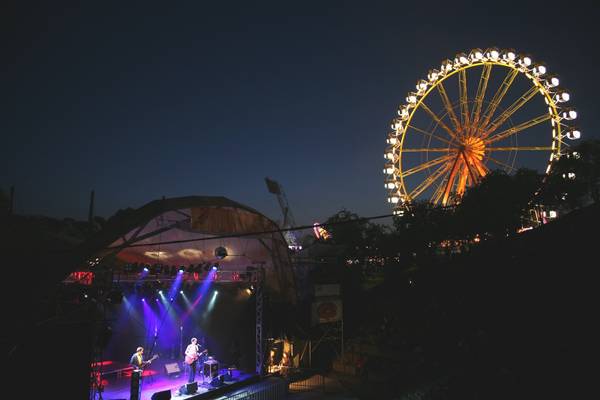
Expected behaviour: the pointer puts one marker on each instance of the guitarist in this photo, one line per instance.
(137, 359)
(192, 353)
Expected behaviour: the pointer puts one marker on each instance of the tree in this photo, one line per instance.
(348, 229)
(574, 177)
(422, 227)
(496, 206)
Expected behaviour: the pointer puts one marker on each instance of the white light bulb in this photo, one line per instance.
(539, 70)
(432, 75)
(574, 134)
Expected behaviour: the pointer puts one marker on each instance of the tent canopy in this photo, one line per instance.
(187, 231)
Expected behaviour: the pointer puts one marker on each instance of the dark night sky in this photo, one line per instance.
(141, 101)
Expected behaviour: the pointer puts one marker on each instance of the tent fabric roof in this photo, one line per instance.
(191, 223)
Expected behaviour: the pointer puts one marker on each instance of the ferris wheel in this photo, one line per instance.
(485, 110)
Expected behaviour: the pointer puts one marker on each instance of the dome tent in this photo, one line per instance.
(187, 231)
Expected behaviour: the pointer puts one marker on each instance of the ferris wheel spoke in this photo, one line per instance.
(498, 96)
(481, 88)
(464, 98)
(438, 120)
(468, 168)
(425, 165)
(463, 176)
(448, 105)
(439, 191)
(425, 150)
(451, 177)
(518, 128)
(482, 170)
(510, 167)
(520, 148)
(511, 110)
(430, 134)
(428, 181)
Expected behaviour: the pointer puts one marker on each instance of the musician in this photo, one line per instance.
(192, 352)
(137, 359)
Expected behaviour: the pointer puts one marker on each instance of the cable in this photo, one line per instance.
(298, 228)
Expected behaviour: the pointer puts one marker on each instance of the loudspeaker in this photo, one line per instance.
(172, 369)
(228, 377)
(162, 395)
(189, 388)
(217, 381)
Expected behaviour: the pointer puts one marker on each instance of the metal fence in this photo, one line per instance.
(305, 381)
(269, 389)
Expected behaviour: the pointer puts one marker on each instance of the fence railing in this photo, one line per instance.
(304, 380)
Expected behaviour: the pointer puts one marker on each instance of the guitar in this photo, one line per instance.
(148, 362)
(191, 359)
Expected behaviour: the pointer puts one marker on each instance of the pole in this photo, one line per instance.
(180, 341)
(343, 361)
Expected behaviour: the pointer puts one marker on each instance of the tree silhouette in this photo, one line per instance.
(496, 206)
(573, 179)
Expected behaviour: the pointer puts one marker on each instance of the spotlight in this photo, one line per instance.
(220, 252)
(215, 267)
(181, 269)
(145, 269)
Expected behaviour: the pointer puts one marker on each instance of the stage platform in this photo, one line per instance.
(117, 386)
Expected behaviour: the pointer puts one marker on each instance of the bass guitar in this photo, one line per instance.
(148, 362)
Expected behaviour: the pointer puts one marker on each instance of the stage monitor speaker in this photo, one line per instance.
(162, 395)
(217, 381)
(189, 388)
(172, 369)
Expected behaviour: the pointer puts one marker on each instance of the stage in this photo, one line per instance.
(117, 382)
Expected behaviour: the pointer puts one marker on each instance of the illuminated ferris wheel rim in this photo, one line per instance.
(544, 84)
